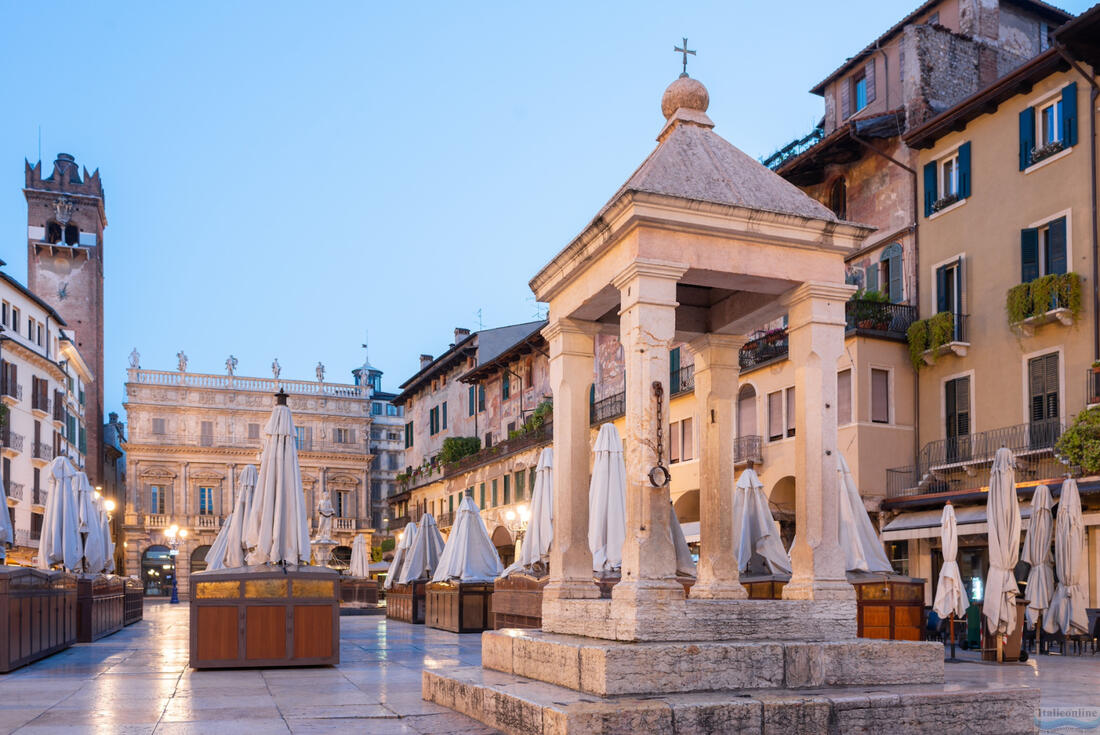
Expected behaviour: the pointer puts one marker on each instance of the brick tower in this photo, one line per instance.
(65, 221)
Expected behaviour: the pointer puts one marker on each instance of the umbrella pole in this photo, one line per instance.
(1038, 629)
(951, 624)
(1000, 646)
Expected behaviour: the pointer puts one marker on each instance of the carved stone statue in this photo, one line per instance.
(181, 358)
(276, 368)
(231, 365)
(320, 372)
(326, 513)
(135, 359)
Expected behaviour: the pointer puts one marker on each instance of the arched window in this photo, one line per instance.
(53, 232)
(340, 558)
(746, 411)
(891, 272)
(72, 235)
(838, 198)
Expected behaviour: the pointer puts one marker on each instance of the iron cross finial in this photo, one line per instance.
(685, 51)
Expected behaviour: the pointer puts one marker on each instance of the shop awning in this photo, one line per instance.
(971, 520)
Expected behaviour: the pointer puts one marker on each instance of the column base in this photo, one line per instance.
(718, 590)
(571, 589)
(819, 589)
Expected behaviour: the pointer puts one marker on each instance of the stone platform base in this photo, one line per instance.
(702, 620)
(521, 706)
(610, 667)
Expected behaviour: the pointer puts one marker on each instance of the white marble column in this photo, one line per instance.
(572, 357)
(647, 325)
(717, 364)
(816, 332)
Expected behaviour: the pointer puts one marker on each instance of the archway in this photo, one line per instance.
(502, 539)
(340, 558)
(781, 501)
(158, 568)
(198, 558)
(687, 507)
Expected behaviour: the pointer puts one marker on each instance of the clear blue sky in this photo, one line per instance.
(282, 177)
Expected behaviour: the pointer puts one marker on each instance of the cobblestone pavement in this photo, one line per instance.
(137, 681)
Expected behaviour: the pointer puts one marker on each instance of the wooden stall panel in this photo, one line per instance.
(219, 639)
(907, 620)
(265, 637)
(876, 621)
(313, 634)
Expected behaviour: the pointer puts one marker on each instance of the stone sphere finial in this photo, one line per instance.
(684, 92)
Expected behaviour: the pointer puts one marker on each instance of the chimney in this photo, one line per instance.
(425, 361)
(461, 333)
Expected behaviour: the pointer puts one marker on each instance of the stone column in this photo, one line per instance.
(647, 325)
(816, 332)
(717, 364)
(572, 356)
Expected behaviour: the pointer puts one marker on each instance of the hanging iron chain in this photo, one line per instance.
(659, 475)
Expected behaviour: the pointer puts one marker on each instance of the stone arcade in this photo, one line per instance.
(703, 244)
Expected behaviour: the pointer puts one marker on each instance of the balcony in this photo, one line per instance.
(1054, 298)
(11, 392)
(157, 520)
(541, 435)
(59, 412)
(12, 442)
(1092, 390)
(207, 522)
(344, 524)
(879, 319)
(399, 523)
(748, 449)
(446, 520)
(214, 441)
(956, 465)
(40, 406)
(682, 380)
(942, 334)
(607, 409)
(42, 452)
(15, 490)
(764, 348)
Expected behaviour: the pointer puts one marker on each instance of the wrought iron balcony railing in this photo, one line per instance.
(15, 490)
(764, 348)
(43, 451)
(681, 380)
(608, 408)
(11, 440)
(748, 449)
(890, 320)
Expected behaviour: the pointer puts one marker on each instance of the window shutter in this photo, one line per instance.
(790, 412)
(1056, 242)
(941, 289)
(674, 370)
(929, 187)
(472, 399)
(962, 405)
(844, 397)
(869, 75)
(880, 396)
(870, 281)
(444, 414)
(1037, 383)
(1050, 368)
(892, 254)
(845, 98)
(1069, 114)
(964, 170)
(1029, 255)
(775, 415)
(1027, 136)
(689, 441)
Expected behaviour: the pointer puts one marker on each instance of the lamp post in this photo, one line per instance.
(516, 521)
(174, 534)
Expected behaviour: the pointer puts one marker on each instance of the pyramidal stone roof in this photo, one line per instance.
(693, 162)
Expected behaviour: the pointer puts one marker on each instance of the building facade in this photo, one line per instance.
(44, 388)
(387, 435)
(65, 223)
(191, 434)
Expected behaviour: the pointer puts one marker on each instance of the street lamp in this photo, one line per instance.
(174, 534)
(516, 521)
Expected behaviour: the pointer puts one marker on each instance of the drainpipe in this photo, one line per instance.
(1092, 176)
(916, 282)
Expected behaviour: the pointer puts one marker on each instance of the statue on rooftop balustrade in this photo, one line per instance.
(181, 358)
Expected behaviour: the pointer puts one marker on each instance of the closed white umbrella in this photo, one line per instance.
(90, 526)
(360, 560)
(469, 555)
(278, 527)
(1040, 579)
(863, 550)
(403, 544)
(423, 556)
(1067, 606)
(60, 541)
(540, 528)
(228, 549)
(1002, 511)
(7, 533)
(215, 555)
(607, 502)
(951, 597)
(754, 527)
(109, 543)
(684, 563)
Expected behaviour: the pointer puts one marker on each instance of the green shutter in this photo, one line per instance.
(964, 170)
(472, 399)
(892, 255)
(929, 187)
(483, 496)
(444, 414)
(941, 289)
(494, 493)
(1027, 136)
(481, 398)
(870, 282)
(1069, 114)
(674, 370)
(1056, 246)
(1029, 255)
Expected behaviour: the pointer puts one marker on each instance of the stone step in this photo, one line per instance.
(521, 706)
(611, 667)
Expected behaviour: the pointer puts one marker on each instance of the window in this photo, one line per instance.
(1042, 374)
(343, 505)
(949, 291)
(253, 431)
(206, 433)
(1043, 250)
(36, 525)
(4, 312)
(858, 90)
(494, 493)
(376, 408)
(158, 426)
(957, 414)
(444, 415)
(880, 396)
(433, 421)
(39, 340)
(519, 482)
(156, 499)
(531, 480)
(471, 400)
(1048, 127)
(344, 436)
(844, 397)
(681, 441)
(481, 398)
(790, 412)
(482, 491)
(838, 198)
(15, 320)
(775, 416)
(947, 180)
(507, 489)
(505, 388)
(30, 329)
(488, 439)
(746, 411)
(206, 501)
(890, 261)
(303, 437)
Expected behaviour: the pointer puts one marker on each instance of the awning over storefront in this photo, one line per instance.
(971, 520)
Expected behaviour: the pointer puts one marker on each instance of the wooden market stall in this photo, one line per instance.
(358, 591)
(99, 606)
(133, 601)
(37, 615)
(460, 607)
(406, 602)
(265, 615)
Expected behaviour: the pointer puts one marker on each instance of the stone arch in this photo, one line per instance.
(154, 576)
(687, 507)
(506, 547)
(340, 558)
(781, 500)
(746, 411)
(838, 197)
(198, 557)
